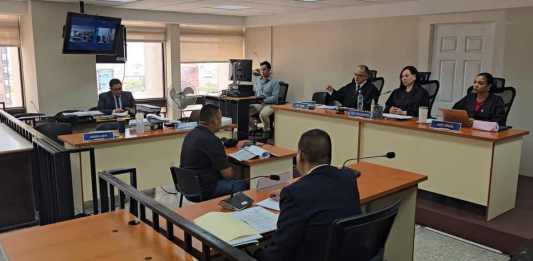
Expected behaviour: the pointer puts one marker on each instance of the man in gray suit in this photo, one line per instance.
(115, 100)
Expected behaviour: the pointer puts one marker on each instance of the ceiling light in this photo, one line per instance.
(231, 7)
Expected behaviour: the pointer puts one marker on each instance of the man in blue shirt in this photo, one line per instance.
(267, 88)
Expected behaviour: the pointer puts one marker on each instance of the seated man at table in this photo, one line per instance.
(309, 205)
(203, 152)
(115, 100)
(268, 88)
(348, 94)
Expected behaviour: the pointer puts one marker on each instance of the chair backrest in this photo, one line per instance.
(52, 129)
(508, 94)
(379, 82)
(107, 126)
(283, 89)
(423, 76)
(320, 97)
(432, 87)
(499, 83)
(360, 237)
(187, 182)
(372, 74)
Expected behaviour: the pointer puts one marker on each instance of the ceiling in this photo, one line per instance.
(235, 7)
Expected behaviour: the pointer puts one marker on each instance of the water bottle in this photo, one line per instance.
(360, 100)
(139, 123)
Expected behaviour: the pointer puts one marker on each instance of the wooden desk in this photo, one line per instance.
(279, 163)
(16, 191)
(471, 165)
(101, 237)
(151, 153)
(237, 108)
(379, 186)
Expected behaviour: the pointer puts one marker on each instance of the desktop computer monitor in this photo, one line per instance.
(240, 70)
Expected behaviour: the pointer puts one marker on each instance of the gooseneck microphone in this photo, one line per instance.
(240, 201)
(388, 155)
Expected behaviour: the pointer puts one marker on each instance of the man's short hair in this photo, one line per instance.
(364, 68)
(267, 64)
(315, 146)
(207, 112)
(113, 82)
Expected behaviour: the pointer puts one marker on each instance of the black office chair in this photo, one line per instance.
(320, 98)
(187, 183)
(379, 83)
(372, 74)
(499, 83)
(362, 237)
(52, 129)
(283, 89)
(423, 76)
(508, 94)
(432, 87)
(107, 126)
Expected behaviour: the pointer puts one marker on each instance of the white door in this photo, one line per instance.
(460, 51)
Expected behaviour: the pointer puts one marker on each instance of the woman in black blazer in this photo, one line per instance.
(406, 99)
(481, 103)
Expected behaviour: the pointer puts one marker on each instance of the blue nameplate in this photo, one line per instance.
(362, 114)
(454, 126)
(303, 105)
(98, 135)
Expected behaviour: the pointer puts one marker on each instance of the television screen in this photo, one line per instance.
(120, 55)
(90, 34)
(241, 69)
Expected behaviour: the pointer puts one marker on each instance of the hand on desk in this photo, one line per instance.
(396, 110)
(244, 143)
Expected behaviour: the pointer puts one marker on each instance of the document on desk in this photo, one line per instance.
(250, 152)
(3, 256)
(83, 113)
(228, 228)
(397, 116)
(269, 203)
(262, 220)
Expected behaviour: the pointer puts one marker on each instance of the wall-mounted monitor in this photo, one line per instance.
(121, 50)
(90, 34)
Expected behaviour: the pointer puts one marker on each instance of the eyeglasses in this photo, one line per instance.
(359, 75)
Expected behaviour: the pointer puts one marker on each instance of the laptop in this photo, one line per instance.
(457, 116)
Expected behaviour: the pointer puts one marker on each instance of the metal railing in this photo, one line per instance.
(139, 202)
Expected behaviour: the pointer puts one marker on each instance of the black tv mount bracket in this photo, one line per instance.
(82, 7)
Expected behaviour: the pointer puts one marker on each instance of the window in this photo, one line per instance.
(205, 78)
(142, 74)
(10, 77)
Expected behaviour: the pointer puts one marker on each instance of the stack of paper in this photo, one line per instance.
(269, 203)
(250, 152)
(241, 227)
(397, 116)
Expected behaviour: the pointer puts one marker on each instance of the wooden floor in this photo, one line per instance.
(505, 233)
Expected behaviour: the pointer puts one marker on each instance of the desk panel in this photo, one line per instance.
(344, 133)
(456, 167)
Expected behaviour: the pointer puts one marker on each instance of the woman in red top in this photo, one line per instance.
(481, 103)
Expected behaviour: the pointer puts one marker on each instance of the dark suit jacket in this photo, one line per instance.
(106, 101)
(347, 95)
(308, 207)
(493, 109)
(408, 101)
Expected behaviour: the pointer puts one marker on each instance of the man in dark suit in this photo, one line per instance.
(347, 95)
(115, 100)
(309, 205)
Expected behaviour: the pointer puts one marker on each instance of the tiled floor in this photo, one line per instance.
(429, 245)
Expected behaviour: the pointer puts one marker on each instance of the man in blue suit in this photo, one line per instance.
(309, 205)
(115, 100)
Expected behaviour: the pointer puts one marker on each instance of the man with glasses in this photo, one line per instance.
(115, 100)
(347, 95)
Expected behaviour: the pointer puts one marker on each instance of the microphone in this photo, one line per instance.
(240, 201)
(388, 155)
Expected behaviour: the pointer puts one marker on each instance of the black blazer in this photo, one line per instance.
(308, 207)
(493, 109)
(408, 101)
(347, 95)
(106, 101)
